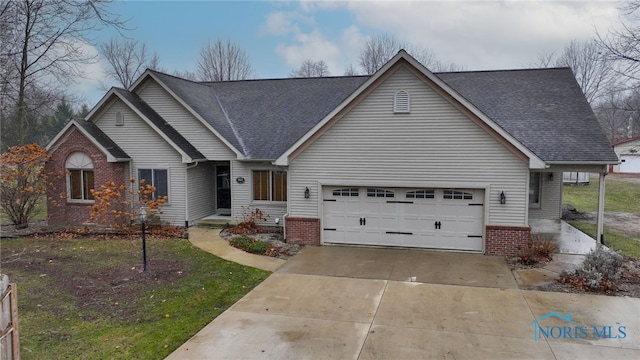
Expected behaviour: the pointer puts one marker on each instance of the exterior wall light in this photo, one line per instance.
(307, 193)
(240, 180)
(503, 198)
(550, 176)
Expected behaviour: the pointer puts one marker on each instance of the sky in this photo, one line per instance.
(279, 35)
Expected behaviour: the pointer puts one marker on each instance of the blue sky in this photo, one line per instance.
(278, 36)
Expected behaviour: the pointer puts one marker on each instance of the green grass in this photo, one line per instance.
(623, 244)
(619, 196)
(87, 299)
(39, 212)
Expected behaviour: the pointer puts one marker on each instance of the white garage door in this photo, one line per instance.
(630, 164)
(426, 218)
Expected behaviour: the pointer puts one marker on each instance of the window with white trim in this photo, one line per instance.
(421, 194)
(269, 185)
(457, 195)
(535, 185)
(346, 192)
(158, 178)
(401, 102)
(372, 192)
(80, 178)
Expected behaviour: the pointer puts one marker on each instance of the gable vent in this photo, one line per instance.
(401, 102)
(119, 119)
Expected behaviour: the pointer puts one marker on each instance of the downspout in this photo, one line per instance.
(601, 189)
(186, 198)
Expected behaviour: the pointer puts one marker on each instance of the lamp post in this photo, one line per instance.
(143, 220)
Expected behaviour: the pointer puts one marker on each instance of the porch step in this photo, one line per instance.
(216, 223)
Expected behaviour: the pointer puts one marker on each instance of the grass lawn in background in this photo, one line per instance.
(86, 298)
(620, 196)
(623, 244)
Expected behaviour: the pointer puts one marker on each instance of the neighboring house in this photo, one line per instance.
(455, 161)
(628, 152)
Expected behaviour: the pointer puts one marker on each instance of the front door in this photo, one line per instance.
(223, 191)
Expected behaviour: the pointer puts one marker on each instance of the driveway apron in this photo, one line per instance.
(367, 303)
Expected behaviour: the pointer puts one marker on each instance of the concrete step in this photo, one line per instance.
(216, 223)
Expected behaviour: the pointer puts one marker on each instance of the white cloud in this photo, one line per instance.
(487, 35)
(314, 46)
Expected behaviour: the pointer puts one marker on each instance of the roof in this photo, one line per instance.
(172, 134)
(544, 109)
(101, 138)
(113, 152)
(626, 141)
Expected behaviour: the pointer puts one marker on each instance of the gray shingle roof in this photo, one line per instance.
(102, 139)
(271, 115)
(161, 124)
(544, 109)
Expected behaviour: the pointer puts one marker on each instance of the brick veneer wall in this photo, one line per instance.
(60, 211)
(506, 240)
(305, 231)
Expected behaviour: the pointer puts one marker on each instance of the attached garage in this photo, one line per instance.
(450, 219)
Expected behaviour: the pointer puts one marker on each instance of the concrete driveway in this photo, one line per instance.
(363, 303)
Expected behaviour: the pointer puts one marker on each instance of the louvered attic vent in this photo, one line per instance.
(401, 102)
(119, 119)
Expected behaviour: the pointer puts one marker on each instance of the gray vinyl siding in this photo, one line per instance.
(186, 124)
(433, 146)
(201, 181)
(148, 151)
(550, 198)
(242, 194)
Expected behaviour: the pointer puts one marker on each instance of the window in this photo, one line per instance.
(270, 185)
(421, 194)
(457, 195)
(380, 193)
(534, 189)
(346, 192)
(80, 177)
(401, 102)
(158, 178)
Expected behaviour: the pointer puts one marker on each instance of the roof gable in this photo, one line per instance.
(107, 146)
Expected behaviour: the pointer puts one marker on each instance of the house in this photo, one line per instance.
(628, 152)
(462, 161)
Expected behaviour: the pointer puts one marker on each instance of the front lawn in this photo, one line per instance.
(623, 244)
(88, 299)
(620, 196)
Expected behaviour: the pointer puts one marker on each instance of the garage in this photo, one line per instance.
(450, 219)
(630, 164)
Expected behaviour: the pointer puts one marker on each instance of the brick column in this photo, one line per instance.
(506, 240)
(304, 231)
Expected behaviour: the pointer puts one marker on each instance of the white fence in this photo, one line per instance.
(9, 340)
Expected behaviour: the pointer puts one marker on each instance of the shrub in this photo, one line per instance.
(250, 245)
(249, 224)
(539, 249)
(600, 270)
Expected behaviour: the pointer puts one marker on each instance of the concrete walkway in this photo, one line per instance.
(209, 240)
(364, 303)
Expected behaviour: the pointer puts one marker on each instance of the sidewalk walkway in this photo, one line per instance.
(209, 240)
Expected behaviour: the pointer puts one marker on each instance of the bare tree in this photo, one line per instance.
(186, 74)
(622, 45)
(310, 68)
(350, 71)
(127, 59)
(45, 47)
(223, 61)
(380, 49)
(590, 67)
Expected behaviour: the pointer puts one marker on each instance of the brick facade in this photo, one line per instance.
(60, 211)
(506, 240)
(304, 231)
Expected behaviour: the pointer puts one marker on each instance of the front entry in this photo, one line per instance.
(223, 189)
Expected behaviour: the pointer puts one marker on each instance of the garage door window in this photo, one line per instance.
(457, 195)
(270, 185)
(421, 194)
(346, 192)
(380, 193)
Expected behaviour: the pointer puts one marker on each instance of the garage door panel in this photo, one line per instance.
(405, 217)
